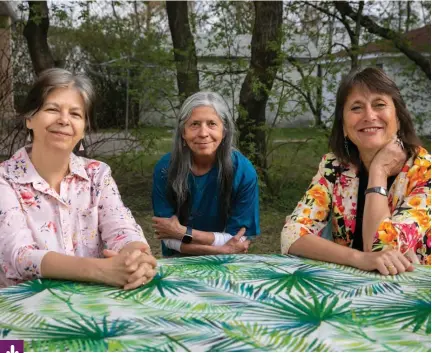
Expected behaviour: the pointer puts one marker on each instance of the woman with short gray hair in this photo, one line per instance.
(60, 214)
(205, 192)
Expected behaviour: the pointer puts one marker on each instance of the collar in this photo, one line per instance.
(20, 169)
(77, 167)
(351, 170)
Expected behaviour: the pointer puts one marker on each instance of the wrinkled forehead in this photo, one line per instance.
(203, 113)
(67, 92)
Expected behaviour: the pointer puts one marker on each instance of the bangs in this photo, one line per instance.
(373, 81)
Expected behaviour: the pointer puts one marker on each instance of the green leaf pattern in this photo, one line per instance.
(227, 303)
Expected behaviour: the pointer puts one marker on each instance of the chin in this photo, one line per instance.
(61, 147)
(204, 153)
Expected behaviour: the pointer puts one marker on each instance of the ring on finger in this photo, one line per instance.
(390, 266)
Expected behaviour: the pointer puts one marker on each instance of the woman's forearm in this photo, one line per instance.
(316, 248)
(59, 266)
(376, 209)
(197, 249)
(200, 237)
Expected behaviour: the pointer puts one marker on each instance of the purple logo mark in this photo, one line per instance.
(11, 346)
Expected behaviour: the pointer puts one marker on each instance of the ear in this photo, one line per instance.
(28, 123)
(344, 132)
(398, 124)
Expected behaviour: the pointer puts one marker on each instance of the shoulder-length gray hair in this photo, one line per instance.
(181, 156)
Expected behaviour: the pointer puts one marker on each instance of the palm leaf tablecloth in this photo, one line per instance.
(227, 303)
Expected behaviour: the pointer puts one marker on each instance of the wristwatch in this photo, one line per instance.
(377, 189)
(187, 238)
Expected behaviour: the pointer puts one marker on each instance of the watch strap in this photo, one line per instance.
(377, 189)
(187, 237)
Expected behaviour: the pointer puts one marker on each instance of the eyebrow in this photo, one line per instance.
(57, 106)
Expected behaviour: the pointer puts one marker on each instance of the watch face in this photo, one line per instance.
(187, 239)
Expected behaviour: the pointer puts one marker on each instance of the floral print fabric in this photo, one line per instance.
(85, 218)
(333, 194)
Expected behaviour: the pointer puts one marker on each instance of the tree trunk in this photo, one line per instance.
(36, 34)
(319, 99)
(408, 17)
(422, 62)
(264, 64)
(184, 48)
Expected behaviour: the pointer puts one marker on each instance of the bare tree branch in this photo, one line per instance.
(371, 26)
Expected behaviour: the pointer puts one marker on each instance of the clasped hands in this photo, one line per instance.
(170, 228)
(131, 267)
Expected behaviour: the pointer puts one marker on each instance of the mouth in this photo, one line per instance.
(370, 129)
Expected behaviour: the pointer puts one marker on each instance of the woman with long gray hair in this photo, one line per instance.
(61, 214)
(205, 193)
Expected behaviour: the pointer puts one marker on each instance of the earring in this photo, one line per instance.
(81, 147)
(29, 137)
(184, 143)
(346, 146)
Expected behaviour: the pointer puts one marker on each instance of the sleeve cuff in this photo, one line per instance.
(118, 245)
(173, 244)
(28, 264)
(221, 238)
(291, 232)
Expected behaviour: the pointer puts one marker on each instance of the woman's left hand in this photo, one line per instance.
(168, 228)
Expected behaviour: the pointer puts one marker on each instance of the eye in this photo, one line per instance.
(51, 109)
(212, 123)
(356, 108)
(76, 115)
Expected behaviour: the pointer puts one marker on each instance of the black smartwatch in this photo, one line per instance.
(187, 238)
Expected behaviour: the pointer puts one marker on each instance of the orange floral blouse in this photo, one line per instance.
(333, 194)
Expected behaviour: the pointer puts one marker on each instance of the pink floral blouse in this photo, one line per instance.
(85, 218)
(332, 197)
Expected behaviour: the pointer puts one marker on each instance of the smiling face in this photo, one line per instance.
(203, 132)
(60, 122)
(369, 119)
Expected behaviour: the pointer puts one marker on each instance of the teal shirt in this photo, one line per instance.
(205, 209)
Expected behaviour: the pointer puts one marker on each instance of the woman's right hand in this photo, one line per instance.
(127, 269)
(390, 159)
(237, 244)
(387, 262)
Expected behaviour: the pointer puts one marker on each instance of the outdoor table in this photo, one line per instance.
(227, 303)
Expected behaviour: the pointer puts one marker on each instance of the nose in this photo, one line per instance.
(203, 131)
(370, 113)
(63, 118)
